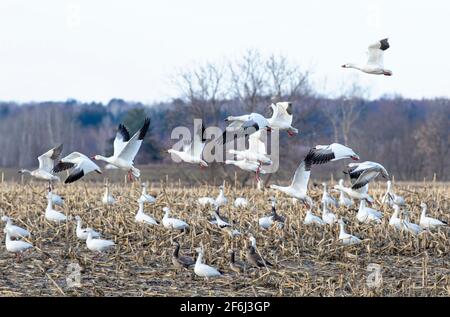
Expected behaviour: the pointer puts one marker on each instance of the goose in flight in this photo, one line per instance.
(248, 166)
(363, 173)
(126, 148)
(14, 231)
(242, 125)
(192, 151)
(360, 193)
(374, 64)
(80, 164)
(391, 198)
(46, 163)
(428, 222)
(346, 238)
(281, 117)
(256, 151)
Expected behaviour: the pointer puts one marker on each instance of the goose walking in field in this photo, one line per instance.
(240, 202)
(80, 164)
(141, 217)
(311, 219)
(253, 257)
(274, 217)
(181, 261)
(125, 149)
(346, 238)
(97, 244)
(344, 201)
(46, 163)
(327, 198)
(82, 233)
(192, 151)
(363, 173)
(173, 223)
(327, 216)
(52, 214)
(236, 266)
(374, 64)
(368, 215)
(14, 231)
(391, 198)
(428, 222)
(108, 198)
(146, 198)
(242, 125)
(281, 117)
(202, 269)
(16, 246)
(256, 151)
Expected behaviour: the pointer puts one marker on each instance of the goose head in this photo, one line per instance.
(77, 218)
(166, 210)
(422, 205)
(5, 218)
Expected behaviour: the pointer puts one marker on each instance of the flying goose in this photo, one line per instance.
(242, 125)
(82, 233)
(173, 223)
(236, 265)
(368, 215)
(344, 201)
(327, 216)
(391, 198)
(126, 148)
(274, 217)
(14, 231)
(146, 197)
(281, 117)
(360, 193)
(248, 166)
(97, 244)
(327, 198)
(141, 217)
(311, 219)
(192, 151)
(428, 222)
(16, 246)
(202, 269)
(240, 202)
(80, 164)
(180, 261)
(363, 173)
(256, 151)
(107, 198)
(374, 64)
(52, 214)
(253, 257)
(346, 238)
(46, 163)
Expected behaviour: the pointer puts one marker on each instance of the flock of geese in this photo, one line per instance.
(252, 160)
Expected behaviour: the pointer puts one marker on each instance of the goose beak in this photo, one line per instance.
(344, 66)
(93, 158)
(355, 157)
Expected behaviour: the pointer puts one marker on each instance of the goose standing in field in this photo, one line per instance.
(242, 125)
(202, 269)
(125, 149)
(236, 266)
(14, 231)
(311, 219)
(374, 64)
(240, 202)
(80, 164)
(428, 222)
(46, 163)
(97, 244)
(57, 200)
(344, 201)
(52, 214)
(16, 246)
(146, 197)
(256, 151)
(346, 238)
(213, 220)
(363, 173)
(248, 166)
(192, 151)
(82, 233)
(181, 261)
(253, 257)
(327, 216)
(391, 198)
(108, 198)
(413, 228)
(274, 217)
(221, 199)
(327, 198)
(173, 223)
(219, 221)
(368, 215)
(281, 117)
(395, 221)
(141, 217)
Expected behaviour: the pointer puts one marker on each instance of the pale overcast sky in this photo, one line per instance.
(101, 49)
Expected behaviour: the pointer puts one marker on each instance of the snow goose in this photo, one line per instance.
(344, 201)
(256, 151)
(240, 202)
(202, 269)
(16, 246)
(274, 217)
(327, 216)
(221, 200)
(14, 231)
(391, 198)
(97, 244)
(213, 220)
(56, 199)
(52, 214)
(146, 197)
(82, 233)
(428, 222)
(180, 261)
(360, 193)
(412, 228)
(281, 117)
(236, 265)
(248, 166)
(242, 125)
(126, 148)
(327, 198)
(311, 219)
(374, 64)
(141, 217)
(108, 198)
(253, 257)
(173, 223)
(80, 164)
(368, 215)
(192, 151)
(219, 221)
(363, 173)
(346, 238)
(46, 163)
(395, 221)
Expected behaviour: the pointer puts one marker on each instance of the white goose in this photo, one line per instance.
(327, 198)
(108, 198)
(221, 199)
(413, 228)
(126, 148)
(363, 173)
(391, 198)
(368, 215)
(46, 163)
(281, 117)
(192, 151)
(219, 221)
(248, 166)
(173, 223)
(80, 164)
(327, 216)
(311, 219)
(52, 214)
(359, 194)
(240, 202)
(395, 221)
(267, 221)
(141, 217)
(374, 64)
(256, 151)
(202, 269)
(82, 233)
(245, 124)
(344, 201)
(57, 200)
(146, 197)
(16, 246)
(14, 231)
(98, 245)
(428, 222)
(346, 238)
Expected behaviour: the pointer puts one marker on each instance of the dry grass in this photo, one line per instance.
(309, 261)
